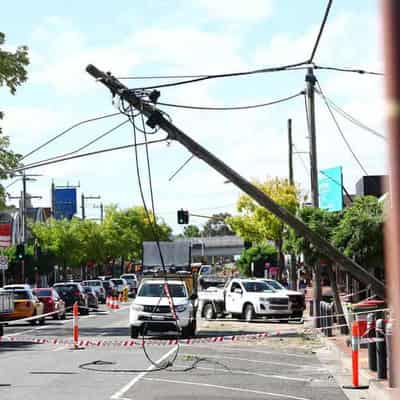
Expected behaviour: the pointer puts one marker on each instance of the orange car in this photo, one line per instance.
(26, 305)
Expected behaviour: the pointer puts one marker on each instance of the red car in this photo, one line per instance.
(52, 301)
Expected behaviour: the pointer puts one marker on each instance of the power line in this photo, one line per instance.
(92, 153)
(321, 29)
(341, 132)
(226, 75)
(96, 139)
(352, 119)
(66, 131)
(352, 70)
(181, 167)
(214, 108)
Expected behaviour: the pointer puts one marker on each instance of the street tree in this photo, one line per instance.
(359, 233)
(217, 225)
(13, 73)
(259, 253)
(191, 231)
(256, 224)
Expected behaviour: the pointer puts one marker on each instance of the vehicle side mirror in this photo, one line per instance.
(239, 291)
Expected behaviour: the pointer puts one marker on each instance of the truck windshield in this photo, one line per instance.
(157, 290)
(256, 287)
(275, 284)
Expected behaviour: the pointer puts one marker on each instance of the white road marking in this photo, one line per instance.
(61, 348)
(256, 361)
(234, 389)
(137, 378)
(242, 372)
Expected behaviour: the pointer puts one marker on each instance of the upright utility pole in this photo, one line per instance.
(310, 86)
(23, 209)
(101, 212)
(290, 141)
(391, 35)
(293, 269)
(83, 205)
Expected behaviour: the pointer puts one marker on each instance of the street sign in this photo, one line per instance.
(3, 263)
(330, 185)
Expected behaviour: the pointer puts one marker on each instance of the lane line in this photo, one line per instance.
(234, 389)
(242, 372)
(256, 361)
(118, 395)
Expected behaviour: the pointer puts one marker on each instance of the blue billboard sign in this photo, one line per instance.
(330, 185)
(65, 205)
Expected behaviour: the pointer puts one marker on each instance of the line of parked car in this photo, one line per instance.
(58, 299)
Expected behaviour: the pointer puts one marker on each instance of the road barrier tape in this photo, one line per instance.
(28, 319)
(93, 342)
(355, 293)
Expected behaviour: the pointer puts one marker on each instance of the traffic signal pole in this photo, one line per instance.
(155, 117)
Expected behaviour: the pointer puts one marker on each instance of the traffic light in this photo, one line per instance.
(20, 251)
(183, 216)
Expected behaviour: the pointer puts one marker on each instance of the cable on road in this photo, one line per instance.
(87, 366)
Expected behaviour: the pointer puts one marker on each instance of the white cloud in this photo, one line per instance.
(237, 10)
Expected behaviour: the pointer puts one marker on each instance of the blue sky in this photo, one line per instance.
(183, 37)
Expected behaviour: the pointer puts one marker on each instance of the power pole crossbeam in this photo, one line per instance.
(261, 198)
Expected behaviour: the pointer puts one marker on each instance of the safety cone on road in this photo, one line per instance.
(116, 304)
(109, 302)
(75, 329)
(120, 298)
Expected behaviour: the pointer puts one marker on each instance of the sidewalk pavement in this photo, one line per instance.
(378, 388)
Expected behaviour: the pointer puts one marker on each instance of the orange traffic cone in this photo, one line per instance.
(108, 303)
(116, 304)
(120, 298)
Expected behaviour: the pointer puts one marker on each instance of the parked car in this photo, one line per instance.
(98, 287)
(6, 307)
(52, 302)
(132, 282)
(296, 299)
(26, 305)
(17, 286)
(92, 297)
(120, 284)
(72, 292)
(109, 288)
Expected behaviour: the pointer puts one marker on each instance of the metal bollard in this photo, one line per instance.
(381, 349)
(389, 354)
(329, 319)
(311, 307)
(322, 316)
(371, 345)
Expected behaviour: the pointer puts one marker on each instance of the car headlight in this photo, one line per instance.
(180, 308)
(137, 307)
(264, 300)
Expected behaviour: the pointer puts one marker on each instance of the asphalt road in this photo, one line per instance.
(270, 368)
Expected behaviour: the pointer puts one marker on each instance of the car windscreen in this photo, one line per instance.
(43, 293)
(91, 283)
(256, 287)
(88, 289)
(276, 285)
(22, 295)
(157, 290)
(118, 281)
(106, 284)
(66, 288)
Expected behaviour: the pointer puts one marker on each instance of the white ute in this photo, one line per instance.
(243, 298)
(150, 311)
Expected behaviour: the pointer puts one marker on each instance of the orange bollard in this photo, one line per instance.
(108, 302)
(75, 328)
(355, 346)
(116, 304)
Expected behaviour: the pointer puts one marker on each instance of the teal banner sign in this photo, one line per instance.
(330, 185)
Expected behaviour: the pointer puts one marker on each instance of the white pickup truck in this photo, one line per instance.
(151, 310)
(6, 307)
(243, 298)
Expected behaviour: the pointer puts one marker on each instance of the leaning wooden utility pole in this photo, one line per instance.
(156, 118)
(391, 37)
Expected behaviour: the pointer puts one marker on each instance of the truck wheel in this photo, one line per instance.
(298, 315)
(248, 313)
(134, 332)
(41, 321)
(1, 330)
(208, 312)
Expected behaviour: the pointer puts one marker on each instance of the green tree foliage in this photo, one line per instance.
(13, 66)
(217, 225)
(359, 233)
(322, 222)
(262, 252)
(191, 231)
(255, 223)
(77, 242)
(12, 74)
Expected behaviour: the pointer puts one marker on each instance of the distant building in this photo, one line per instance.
(372, 185)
